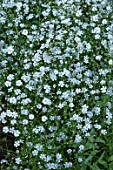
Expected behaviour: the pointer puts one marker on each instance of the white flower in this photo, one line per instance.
(68, 164)
(5, 129)
(16, 133)
(78, 13)
(17, 143)
(98, 57)
(31, 116)
(103, 89)
(25, 32)
(110, 62)
(39, 106)
(81, 147)
(84, 108)
(97, 30)
(44, 118)
(25, 122)
(80, 160)
(46, 101)
(69, 151)
(24, 112)
(18, 160)
(35, 152)
(97, 126)
(104, 21)
(19, 83)
(103, 131)
(97, 36)
(10, 77)
(102, 82)
(25, 78)
(110, 36)
(10, 50)
(13, 100)
(7, 83)
(58, 157)
(13, 121)
(78, 138)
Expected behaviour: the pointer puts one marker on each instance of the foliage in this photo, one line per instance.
(56, 85)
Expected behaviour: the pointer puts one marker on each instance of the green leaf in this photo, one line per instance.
(93, 153)
(111, 158)
(95, 167)
(88, 159)
(104, 163)
(91, 139)
(111, 166)
(101, 157)
(99, 140)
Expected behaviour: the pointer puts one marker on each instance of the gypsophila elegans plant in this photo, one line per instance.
(56, 84)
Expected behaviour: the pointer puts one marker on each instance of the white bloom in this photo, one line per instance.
(80, 160)
(78, 13)
(97, 36)
(5, 129)
(19, 83)
(102, 82)
(24, 112)
(84, 108)
(46, 101)
(16, 133)
(25, 78)
(104, 21)
(97, 30)
(10, 77)
(103, 131)
(44, 118)
(68, 164)
(110, 62)
(10, 50)
(13, 100)
(97, 126)
(25, 122)
(39, 106)
(7, 83)
(69, 151)
(103, 89)
(58, 157)
(110, 36)
(13, 121)
(108, 8)
(77, 39)
(18, 160)
(31, 116)
(78, 138)
(78, 90)
(3, 115)
(25, 32)
(81, 147)
(98, 57)
(17, 143)
(35, 152)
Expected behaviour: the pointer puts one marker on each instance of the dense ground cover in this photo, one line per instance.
(56, 84)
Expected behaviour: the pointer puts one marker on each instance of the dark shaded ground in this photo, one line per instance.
(6, 141)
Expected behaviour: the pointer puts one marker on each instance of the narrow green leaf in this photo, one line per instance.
(88, 159)
(91, 139)
(101, 157)
(111, 158)
(99, 140)
(95, 167)
(104, 163)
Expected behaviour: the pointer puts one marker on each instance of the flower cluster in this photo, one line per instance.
(56, 86)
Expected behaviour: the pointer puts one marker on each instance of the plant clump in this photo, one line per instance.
(56, 85)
